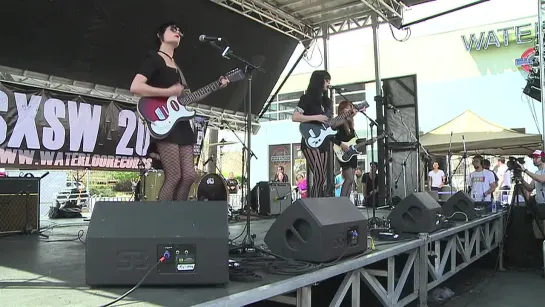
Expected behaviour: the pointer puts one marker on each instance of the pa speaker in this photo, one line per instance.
(460, 202)
(125, 240)
(318, 230)
(416, 213)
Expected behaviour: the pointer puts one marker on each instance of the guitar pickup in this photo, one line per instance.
(358, 141)
(160, 114)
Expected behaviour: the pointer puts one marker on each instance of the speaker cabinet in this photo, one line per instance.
(19, 204)
(125, 240)
(416, 213)
(271, 198)
(460, 202)
(318, 230)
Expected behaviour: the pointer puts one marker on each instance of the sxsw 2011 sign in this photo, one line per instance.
(42, 129)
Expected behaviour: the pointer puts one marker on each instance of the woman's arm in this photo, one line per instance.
(140, 87)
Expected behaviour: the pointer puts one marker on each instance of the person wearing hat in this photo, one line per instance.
(537, 202)
(538, 178)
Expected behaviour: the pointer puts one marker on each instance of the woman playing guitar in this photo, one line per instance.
(345, 133)
(159, 76)
(315, 106)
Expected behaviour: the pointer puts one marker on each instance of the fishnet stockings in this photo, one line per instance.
(348, 175)
(179, 170)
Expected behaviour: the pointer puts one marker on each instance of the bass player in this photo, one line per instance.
(160, 76)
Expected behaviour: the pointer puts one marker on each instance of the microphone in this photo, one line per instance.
(333, 87)
(204, 38)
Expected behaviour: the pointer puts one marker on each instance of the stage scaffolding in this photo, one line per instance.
(541, 49)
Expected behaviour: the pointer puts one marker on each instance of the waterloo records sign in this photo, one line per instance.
(43, 129)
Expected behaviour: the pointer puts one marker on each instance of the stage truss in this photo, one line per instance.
(305, 20)
(428, 254)
(216, 116)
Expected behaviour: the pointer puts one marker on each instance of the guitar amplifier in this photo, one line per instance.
(19, 204)
(271, 198)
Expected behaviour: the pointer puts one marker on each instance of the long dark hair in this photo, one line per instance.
(315, 89)
(349, 123)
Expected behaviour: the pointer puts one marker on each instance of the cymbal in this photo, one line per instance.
(222, 143)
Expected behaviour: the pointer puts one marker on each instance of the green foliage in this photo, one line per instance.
(104, 191)
(123, 176)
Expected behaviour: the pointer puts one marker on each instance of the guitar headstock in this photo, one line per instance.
(235, 75)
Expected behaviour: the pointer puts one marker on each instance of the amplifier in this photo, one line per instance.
(19, 204)
(271, 198)
(125, 240)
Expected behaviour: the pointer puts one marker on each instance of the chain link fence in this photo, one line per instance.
(84, 187)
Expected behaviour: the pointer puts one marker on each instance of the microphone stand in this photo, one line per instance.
(449, 158)
(372, 221)
(465, 163)
(404, 172)
(227, 53)
(245, 149)
(411, 134)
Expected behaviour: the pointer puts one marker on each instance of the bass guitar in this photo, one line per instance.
(316, 133)
(354, 148)
(162, 113)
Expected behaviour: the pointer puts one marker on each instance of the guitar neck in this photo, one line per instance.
(198, 94)
(337, 120)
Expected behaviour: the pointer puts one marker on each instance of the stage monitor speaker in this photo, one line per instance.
(126, 239)
(318, 230)
(460, 202)
(271, 198)
(416, 213)
(19, 204)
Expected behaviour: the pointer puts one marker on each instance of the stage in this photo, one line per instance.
(37, 272)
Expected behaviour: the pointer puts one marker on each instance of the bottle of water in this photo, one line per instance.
(494, 207)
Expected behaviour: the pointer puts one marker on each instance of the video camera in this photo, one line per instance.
(513, 166)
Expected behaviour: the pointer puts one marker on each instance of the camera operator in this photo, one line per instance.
(538, 178)
(536, 204)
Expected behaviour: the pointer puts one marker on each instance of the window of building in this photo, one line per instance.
(283, 105)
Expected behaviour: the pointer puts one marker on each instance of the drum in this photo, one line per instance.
(212, 187)
(151, 183)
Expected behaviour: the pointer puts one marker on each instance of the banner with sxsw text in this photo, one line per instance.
(43, 129)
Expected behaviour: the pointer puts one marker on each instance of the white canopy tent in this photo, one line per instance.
(480, 135)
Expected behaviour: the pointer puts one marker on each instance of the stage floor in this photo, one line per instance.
(35, 272)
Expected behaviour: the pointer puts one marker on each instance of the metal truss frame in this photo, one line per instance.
(282, 21)
(428, 254)
(541, 58)
(270, 16)
(217, 117)
(471, 241)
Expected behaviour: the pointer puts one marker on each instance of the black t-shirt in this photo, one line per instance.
(155, 69)
(232, 185)
(313, 106)
(370, 184)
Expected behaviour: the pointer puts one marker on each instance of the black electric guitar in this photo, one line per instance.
(354, 148)
(316, 133)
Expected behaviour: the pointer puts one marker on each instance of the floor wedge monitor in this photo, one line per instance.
(416, 213)
(318, 230)
(458, 206)
(125, 240)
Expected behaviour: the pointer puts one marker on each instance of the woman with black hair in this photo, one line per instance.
(159, 76)
(315, 106)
